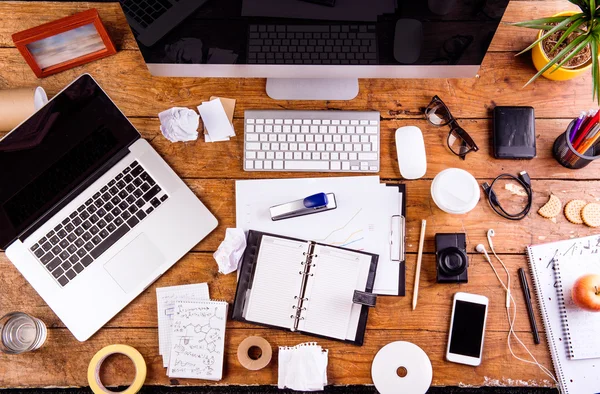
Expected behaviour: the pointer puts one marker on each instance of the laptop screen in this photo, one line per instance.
(55, 150)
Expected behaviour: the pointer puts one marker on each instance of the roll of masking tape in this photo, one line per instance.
(96, 363)
(259, 363)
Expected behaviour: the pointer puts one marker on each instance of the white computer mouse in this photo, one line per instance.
(410, 147)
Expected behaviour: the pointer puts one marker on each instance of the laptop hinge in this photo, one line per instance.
(74, 193)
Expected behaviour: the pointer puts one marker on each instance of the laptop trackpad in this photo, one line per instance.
(135, 263)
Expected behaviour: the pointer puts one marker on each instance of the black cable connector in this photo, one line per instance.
(524, 180)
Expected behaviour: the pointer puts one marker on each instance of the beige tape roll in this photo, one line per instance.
(96, 362)
(262, 361)
(16, 105)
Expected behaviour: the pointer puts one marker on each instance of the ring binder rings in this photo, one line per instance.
(333, 275)
(370, 216)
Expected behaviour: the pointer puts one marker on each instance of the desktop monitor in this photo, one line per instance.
(314, 49)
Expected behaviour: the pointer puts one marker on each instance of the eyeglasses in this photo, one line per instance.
(459, 141)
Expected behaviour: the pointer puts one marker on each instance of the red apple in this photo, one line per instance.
(586, 292)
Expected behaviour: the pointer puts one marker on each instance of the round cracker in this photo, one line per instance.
(591, 214)
(551, 208)
(573, 211)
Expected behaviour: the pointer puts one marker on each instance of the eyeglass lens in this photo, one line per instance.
(437, 113)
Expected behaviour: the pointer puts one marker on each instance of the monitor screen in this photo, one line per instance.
(315, 32)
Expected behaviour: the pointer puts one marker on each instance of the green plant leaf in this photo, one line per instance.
(550, 32)
(574, 52)
(553, 62)
(567, 33)
(567, 50)
(582, 4)
(541, 21)
(595, 73)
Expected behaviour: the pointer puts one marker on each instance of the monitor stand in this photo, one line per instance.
(312, 88)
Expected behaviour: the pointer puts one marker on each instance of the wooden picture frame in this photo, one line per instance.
(46, 48)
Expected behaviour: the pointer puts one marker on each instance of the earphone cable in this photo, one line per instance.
(512, 322)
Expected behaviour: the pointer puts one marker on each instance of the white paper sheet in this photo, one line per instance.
(329, 292)
(198, 341)
(166, 297)
(362, 220)
(215, 120)
(277, 281)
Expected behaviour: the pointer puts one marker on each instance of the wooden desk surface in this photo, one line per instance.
(211, 169)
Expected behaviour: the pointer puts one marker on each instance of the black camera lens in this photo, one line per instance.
(453, 261)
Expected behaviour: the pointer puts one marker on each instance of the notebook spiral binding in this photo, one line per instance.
(558, 370)
(562, 310)
(299, 307)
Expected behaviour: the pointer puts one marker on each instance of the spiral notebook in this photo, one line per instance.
(575, 376)
(580, 326)
(305, 286)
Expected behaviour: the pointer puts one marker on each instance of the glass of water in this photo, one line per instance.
(20, 333)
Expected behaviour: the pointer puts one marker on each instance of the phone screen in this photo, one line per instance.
(467, 329)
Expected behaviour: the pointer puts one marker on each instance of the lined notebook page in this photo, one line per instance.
(581, 327)
(277, 281)
(336, 274)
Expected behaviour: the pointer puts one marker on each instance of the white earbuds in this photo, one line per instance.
(481, 249)
(490, 234)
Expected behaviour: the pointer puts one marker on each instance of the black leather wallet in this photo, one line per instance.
(514, 133)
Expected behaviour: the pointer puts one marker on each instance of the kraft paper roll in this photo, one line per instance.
(263, 360)
(16, 105)
(135, 356)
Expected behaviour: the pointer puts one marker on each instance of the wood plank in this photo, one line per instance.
(511, 237)
(21, 15)
(509, 38)
(126, 79)
(197, 159)
(200, 267)
(65, 361)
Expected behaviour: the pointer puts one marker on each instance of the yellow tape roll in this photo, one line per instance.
(135, 356)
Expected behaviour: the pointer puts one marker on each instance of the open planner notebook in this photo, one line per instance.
(575, 376)
(305, 286)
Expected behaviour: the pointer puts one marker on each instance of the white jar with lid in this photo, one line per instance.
(455, 191)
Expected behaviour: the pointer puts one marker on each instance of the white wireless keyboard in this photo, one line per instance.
(314, 141)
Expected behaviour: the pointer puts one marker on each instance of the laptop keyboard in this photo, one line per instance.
(145, 11)
(85, 234)
(312, 44)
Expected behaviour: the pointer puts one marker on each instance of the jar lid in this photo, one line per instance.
(455, 191)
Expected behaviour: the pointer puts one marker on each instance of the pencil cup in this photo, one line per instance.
(568, 157)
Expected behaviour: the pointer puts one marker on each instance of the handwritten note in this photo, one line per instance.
(198, 340)
(166, 297)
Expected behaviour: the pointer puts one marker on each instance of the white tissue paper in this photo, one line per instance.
(231, 250)
(303, 367)
(179, 124)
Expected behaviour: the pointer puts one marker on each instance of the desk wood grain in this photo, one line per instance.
(211, 170)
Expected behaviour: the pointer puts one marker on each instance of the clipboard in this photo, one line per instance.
(397, 241)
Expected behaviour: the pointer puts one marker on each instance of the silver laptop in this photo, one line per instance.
(90, 214)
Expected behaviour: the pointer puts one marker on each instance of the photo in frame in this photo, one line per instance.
(65, 43)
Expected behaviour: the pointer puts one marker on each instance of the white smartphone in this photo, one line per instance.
(467, 329)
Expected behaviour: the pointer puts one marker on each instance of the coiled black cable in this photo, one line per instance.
(524, 180)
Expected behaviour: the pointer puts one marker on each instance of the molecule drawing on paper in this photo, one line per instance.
(198, 340)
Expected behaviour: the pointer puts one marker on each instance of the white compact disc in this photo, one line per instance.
(405, 358)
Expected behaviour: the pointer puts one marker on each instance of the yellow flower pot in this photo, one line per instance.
(540, 60)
